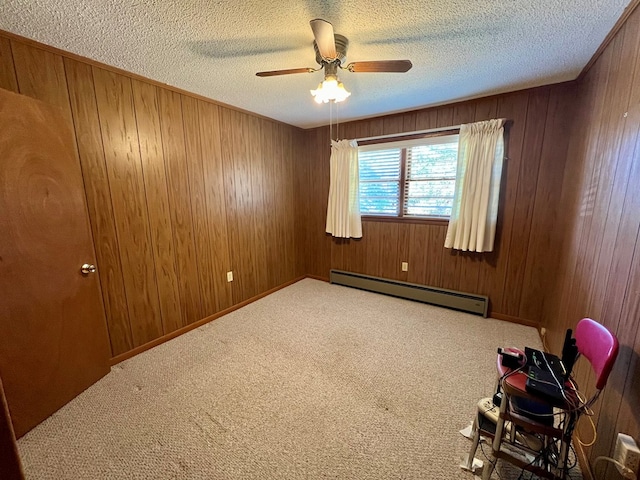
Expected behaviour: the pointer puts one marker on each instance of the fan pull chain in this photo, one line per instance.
(337, 123)
(330, 122)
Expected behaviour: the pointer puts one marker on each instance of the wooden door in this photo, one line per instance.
(53, 335)
(9, 460)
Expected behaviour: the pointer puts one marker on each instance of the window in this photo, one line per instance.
(410, 178)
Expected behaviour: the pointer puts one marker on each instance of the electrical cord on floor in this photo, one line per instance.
(494, 462)
(575, 458)
(626, 472)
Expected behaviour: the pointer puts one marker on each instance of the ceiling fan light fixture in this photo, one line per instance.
(331, 89)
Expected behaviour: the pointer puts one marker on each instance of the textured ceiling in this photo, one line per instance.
(460, 49)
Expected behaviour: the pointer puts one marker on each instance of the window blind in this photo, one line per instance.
(430, 180)
(414, 178)
(380, 181)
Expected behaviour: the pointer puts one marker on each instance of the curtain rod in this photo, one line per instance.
(406, 134)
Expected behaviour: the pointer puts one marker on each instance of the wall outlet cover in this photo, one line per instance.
(627, 453)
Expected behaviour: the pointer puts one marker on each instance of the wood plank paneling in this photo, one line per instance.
(8, 79)
(41, 75)
(288, 156)
(525, 200)
(535, 138)
(542, 251)
(491, 280)
(258, 195)
(166, 223)
(600, 269)
(97, 189)
(274, 232)
(318, 253)
(230, 179)
(618, 164)
(157, 199)
(179, 191)
(216, 214)
(122, 154)
(418, 257)
(198, 203)
(390, 246)
(241, 227)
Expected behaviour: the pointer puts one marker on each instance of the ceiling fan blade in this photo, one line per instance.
(379, 66)
(325, 40)
(273, 73)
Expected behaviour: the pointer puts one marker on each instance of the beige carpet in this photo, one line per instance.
(313, 381)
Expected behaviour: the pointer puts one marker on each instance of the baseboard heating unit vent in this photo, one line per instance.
(466, 302)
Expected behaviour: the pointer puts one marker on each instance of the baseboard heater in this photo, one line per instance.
(466, 302)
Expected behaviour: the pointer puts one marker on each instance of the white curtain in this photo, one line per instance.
(343, 210)
(472, 226)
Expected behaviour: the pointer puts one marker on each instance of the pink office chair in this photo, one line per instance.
(600, 347)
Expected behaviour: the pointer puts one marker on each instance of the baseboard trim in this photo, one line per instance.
(317, 277)
(176, 333)
(512, 319)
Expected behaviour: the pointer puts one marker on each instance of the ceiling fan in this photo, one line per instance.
(331, 50)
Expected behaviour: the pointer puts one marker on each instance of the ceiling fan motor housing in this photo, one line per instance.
(342, 43)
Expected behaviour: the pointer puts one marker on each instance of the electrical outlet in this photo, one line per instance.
(405, 266)
(627, 453)
(229, 276)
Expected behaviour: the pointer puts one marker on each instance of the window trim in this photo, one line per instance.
(401, 217)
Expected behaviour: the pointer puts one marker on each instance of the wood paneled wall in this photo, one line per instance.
(599, 276)
(515, 275)
(179, 191)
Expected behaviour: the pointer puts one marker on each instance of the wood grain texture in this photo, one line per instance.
(600, 270)
(122, 154)
(41, 75)
(525, 199)
(270, 182)
(301, 206)
(179, 191)
(235, 153)
(258, 194)
(8, 79)
(535, 140)
(492, 276)
(198, 199)
(157, 198)
(167, 223)
(88, 61)
(53, 335)
(288, 155)
(97, 190)
(542, 251)
(216, 215)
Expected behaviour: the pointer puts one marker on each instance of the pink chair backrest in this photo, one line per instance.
(599, 345)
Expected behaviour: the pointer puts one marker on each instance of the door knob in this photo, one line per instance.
(88, 268)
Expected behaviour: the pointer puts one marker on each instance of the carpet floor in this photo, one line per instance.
(312, 381)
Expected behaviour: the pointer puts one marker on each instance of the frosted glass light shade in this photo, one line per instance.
(330, 89)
